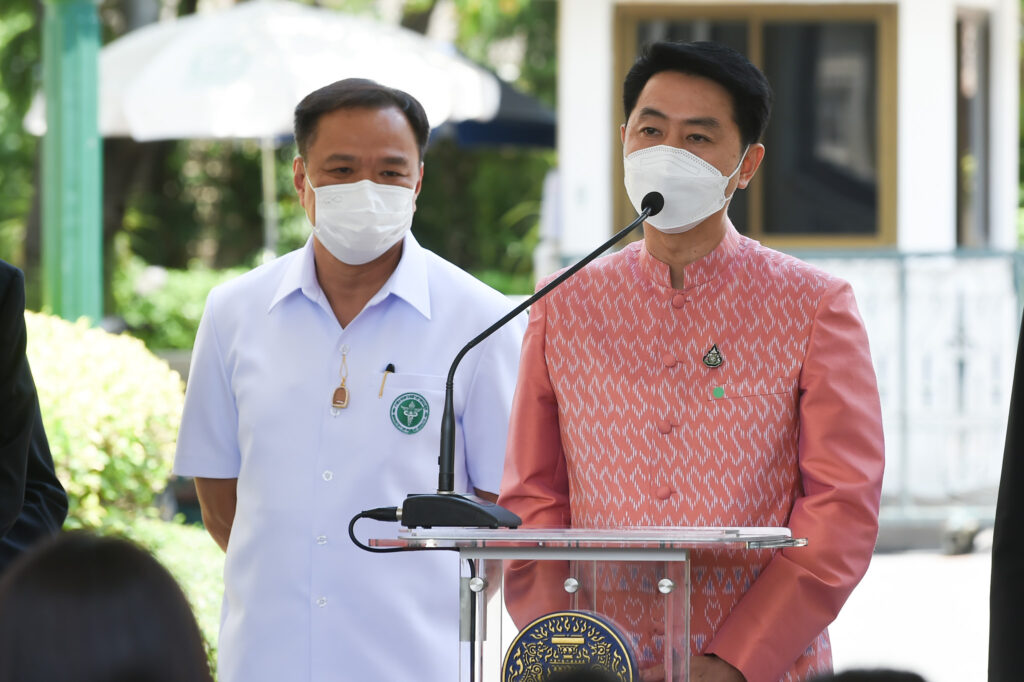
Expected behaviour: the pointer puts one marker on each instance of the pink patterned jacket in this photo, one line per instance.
(619, 421)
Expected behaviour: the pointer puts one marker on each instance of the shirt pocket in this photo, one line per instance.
(413, 404)
(408, 430)
(751, 388)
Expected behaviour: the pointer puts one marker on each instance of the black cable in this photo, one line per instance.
(391, 514)
(386, 514)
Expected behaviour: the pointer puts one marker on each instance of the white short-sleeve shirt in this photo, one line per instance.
(301, 602)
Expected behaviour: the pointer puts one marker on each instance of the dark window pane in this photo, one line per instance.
(820, 169)
(731, 33)
(972, 111)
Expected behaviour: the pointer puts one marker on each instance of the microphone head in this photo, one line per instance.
(653, 201)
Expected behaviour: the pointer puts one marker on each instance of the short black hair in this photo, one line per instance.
(751, 94)
(87, 607)
(357, 93)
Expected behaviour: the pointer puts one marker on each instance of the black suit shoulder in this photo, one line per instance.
(33, 503)
(17, 397)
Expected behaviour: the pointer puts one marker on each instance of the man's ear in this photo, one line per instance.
(419, 182)
(299, 175)
(302, 188)
(751, 162)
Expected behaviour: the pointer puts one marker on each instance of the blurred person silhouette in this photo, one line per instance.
(96, 609)
(875, 675)
(32, 502)
(1006, 591)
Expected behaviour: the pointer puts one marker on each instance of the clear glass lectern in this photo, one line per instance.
(629, 586)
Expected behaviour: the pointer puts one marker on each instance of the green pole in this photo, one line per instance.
(72, 161)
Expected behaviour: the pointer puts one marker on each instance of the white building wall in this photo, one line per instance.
(1005, 122)
(926, 128)
(585, 125)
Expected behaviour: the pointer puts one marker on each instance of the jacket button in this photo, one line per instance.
(664, 492)
(678, 301)
(669, 360)
(664, 426)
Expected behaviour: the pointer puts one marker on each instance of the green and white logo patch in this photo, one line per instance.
(409, 412)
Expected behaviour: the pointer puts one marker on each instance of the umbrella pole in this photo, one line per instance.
(269, 199)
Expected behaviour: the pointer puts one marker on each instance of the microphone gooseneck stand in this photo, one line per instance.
(446, 508)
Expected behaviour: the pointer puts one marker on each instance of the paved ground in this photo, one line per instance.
(919, 611)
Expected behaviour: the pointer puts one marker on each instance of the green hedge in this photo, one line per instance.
(162, 306)
(111, 411)
(195, 561)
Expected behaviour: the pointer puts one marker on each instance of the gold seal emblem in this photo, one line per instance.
(566, 640)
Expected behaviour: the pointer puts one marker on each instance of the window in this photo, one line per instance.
(828, 178)
(972, 112)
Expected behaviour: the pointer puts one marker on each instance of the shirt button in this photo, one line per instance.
(664, 426)
(678, 301)
(669, 360)
(321, 539)
(321, 602)
(664, 492)
(328, 475)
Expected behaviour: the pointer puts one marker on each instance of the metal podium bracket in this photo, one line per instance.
(777, 544)
(577, 553)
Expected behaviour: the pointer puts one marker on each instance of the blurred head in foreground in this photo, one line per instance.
(96, 609)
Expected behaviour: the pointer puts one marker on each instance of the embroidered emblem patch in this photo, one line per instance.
(409, 412)
(713, 358)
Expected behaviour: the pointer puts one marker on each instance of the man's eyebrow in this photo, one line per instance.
(650, 112)
(396, 160)
(704, 122)
(709, 122)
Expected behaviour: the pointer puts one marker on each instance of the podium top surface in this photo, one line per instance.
(594, 538)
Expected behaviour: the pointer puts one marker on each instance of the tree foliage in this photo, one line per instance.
(20, 56)
(481, 22)
(186, 202)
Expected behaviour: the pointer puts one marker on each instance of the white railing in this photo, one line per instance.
(943, 330)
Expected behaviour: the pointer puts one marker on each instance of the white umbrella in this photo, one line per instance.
(238, 73)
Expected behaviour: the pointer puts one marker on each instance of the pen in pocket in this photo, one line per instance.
(390, 369)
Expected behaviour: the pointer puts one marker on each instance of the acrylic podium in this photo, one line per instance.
(610, 587)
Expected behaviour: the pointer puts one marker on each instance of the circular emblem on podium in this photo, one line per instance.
(566, 640)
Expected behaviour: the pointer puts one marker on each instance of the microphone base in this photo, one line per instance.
(449, 510)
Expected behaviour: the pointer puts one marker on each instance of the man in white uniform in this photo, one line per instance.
(316, 391)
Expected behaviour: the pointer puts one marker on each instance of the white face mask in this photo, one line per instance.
(358, 221)
(692, 187)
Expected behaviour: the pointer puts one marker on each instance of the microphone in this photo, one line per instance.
(653, 201)
(447, 508)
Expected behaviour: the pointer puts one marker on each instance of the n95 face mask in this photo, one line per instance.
(692, 187)
(358, 221)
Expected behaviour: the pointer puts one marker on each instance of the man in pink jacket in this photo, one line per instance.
(697, 378)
